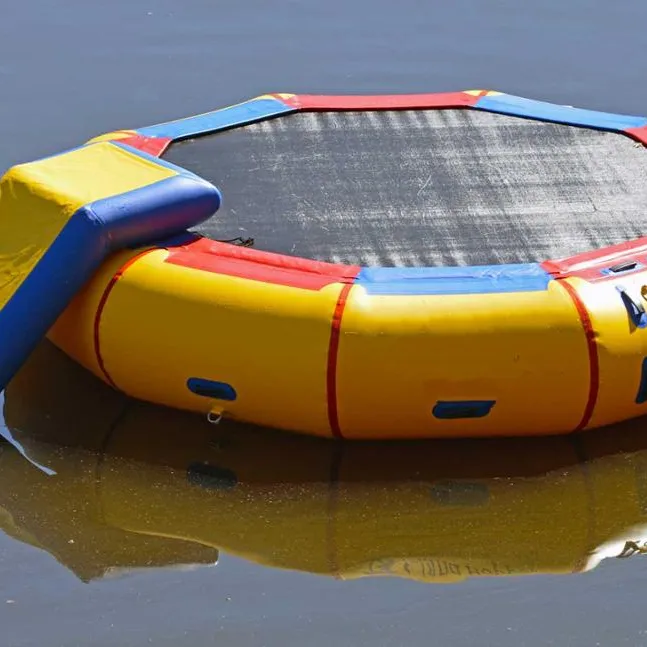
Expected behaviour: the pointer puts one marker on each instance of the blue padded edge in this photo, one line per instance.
(161, 209)
(239, 115)
(156, 211)
(520, 107)
(484, 279)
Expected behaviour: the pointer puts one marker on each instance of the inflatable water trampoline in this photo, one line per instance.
(467, 263)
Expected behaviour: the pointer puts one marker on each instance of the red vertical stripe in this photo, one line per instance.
(333, 352)
(594, 364)
(100, 308)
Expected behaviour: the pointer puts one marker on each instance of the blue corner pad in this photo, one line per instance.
(460, 409)
(137, 217)
(211, 389)
(484, 279)
(641, 396)
(519, 107)
(239, 115)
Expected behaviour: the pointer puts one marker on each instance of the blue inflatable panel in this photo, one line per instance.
(518, 106)
(240, 115)
(525, 277)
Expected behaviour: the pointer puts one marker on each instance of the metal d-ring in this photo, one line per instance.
(214, 417)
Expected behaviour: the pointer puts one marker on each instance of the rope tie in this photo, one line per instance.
(632, 548)
(239, 241)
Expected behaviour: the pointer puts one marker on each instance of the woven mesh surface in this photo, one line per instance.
(431, 187)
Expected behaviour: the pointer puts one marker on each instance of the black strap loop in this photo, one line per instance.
(240, 241)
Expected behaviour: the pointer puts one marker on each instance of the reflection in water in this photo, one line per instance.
(114, 484)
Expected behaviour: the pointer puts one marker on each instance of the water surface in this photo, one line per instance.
(303, 522)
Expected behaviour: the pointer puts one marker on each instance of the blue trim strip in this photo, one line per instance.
(460, 409)
(520, 107)
(211, 389)
(239, 115)
(641, 396)
(485, 279)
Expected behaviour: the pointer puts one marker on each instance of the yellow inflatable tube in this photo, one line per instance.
(321, 354)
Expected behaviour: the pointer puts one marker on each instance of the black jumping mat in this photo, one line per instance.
(421, 187)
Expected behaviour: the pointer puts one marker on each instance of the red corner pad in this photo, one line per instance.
(242, 262)
(639, 134)
(590, 265)
(152, 145)
(592, 349)
(384, 102)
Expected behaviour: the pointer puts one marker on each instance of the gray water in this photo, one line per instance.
(72, 69)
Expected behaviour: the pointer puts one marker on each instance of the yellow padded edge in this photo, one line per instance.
(281, 95)
(488, 93)
(111, 136)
